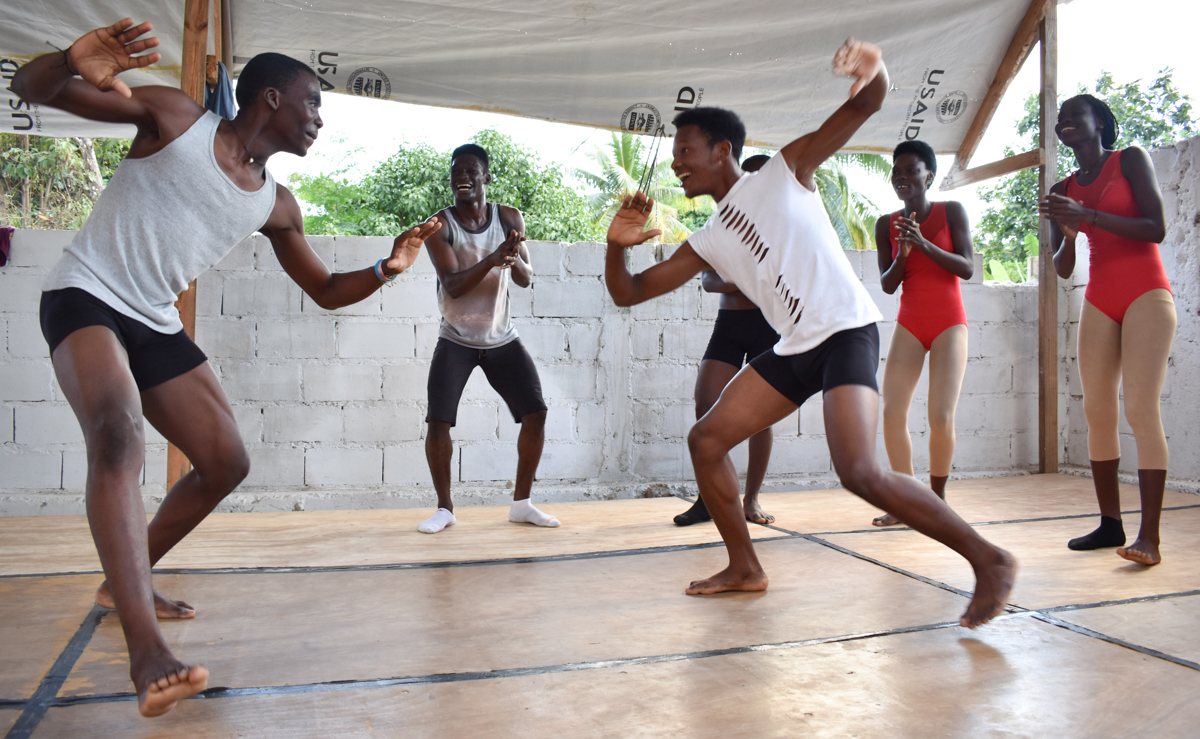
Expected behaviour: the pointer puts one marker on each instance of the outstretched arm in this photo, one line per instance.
(160, 113)
(626, 231)
(864, 62)
(285, 230)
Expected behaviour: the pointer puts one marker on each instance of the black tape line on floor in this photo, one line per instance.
(47, 691)
(454, 677)
(1122, 602)
(1083, 630)
(901, 527)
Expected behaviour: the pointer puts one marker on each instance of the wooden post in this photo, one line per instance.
(1047, 277)
(195, 45)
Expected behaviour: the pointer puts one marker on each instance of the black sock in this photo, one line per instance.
(698, 513)
(1110, 534)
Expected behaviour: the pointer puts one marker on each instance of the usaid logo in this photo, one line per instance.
(950, 108)
(641, 118)
(369, 82)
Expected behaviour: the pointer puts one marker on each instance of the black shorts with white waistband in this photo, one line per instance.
(739, 336)
(154, 357)
(508, 368)
(849, 357)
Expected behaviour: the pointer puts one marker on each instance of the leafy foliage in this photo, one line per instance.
(1149, 116)
(52, 183)
(852, 214)
(414, 183)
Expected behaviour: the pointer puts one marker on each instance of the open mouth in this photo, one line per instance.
(462, 188)
(683, 176)
(1066, 129)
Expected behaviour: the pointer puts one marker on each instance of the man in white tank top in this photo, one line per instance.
(192, 187)
(771, 237)
(478, 248)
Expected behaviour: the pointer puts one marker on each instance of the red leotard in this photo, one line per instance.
(1122, 270)
(931, 300)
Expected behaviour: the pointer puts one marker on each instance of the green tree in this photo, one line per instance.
(414, 183)
(1150, 116)
(851, 213)
(48, 182)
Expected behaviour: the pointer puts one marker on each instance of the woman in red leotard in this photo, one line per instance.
(1128, 318)
(927, 248)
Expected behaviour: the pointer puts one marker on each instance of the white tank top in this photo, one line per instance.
(480, 319)
(162, 221)
(772, 238)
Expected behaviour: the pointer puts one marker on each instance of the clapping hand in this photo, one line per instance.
(100, 55)
(910, 237)
(407, 246)
(628, 225)
(506, 254)
(1069, 214)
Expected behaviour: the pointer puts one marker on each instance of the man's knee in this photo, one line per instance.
(705, 444)
(534, 422)
(116, 440)
(861, 476)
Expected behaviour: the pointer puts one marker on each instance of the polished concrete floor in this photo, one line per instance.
(350, 623)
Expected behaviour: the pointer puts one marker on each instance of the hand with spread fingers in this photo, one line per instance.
(858, 59)
(1069, 214)
(628, 225)
(407, 246)
(100, 55)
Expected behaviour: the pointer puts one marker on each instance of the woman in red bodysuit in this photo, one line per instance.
(927, 248)
(1128, 318)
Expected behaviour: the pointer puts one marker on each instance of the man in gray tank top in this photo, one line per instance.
(192, 187)
(477, 250)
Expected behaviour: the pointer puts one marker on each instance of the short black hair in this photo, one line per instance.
(755, 163)
(1104, 114)
(474, 150)
(717, 124)
(267, 70)
(922, 150)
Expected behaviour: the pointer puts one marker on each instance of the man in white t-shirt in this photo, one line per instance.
(771, 237)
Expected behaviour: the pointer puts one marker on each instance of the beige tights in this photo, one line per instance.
(902, 371)
(1132, 354)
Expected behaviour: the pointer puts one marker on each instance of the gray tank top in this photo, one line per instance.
(479, 319)
(162, 221)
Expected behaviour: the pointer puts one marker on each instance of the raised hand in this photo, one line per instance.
(407, 246)
(1069, 214)
(100, 55)
(627, 227)
(859, 59)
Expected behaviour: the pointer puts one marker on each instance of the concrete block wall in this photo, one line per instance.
(331, 403)
(1178, 170)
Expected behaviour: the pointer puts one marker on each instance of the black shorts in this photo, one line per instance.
(509, 369)
(849, 357)
(154, 357)
(739, 336)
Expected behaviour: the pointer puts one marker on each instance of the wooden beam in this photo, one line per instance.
(1015, 163)
(195, 46)
(1048, 277)
(1018, 50)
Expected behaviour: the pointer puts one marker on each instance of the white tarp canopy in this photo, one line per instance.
(593, 62)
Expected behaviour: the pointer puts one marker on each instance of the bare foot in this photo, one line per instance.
(993, 584)
(1142, 552)
(886, 519)
(164, 607)
(755, 513)
(166, 683)
(725, 581)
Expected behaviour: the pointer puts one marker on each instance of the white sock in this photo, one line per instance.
(438, 521)
(522, 511)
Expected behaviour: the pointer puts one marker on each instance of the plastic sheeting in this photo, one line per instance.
(616, 65)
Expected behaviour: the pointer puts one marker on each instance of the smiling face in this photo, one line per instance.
(297, 113)
(910, 176)
(1077, 123)
(698, 164)
(468, 178)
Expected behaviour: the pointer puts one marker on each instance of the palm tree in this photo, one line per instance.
(621, 164)
(851, 213)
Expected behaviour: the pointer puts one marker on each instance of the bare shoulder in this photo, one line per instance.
(510, 217)
(1135, 159)
(956, 211)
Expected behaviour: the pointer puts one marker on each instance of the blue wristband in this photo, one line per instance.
(379, 273)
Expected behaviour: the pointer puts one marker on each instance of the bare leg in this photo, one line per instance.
(93, 371)
(712, 378)
(756, 471)
(747, 405)
(901, 373)
(439, 451)
(192, 412)
(851, 413)
(529, 452)
(1146, 337)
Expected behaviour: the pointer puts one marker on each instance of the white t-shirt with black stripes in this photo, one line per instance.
(772, 238)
